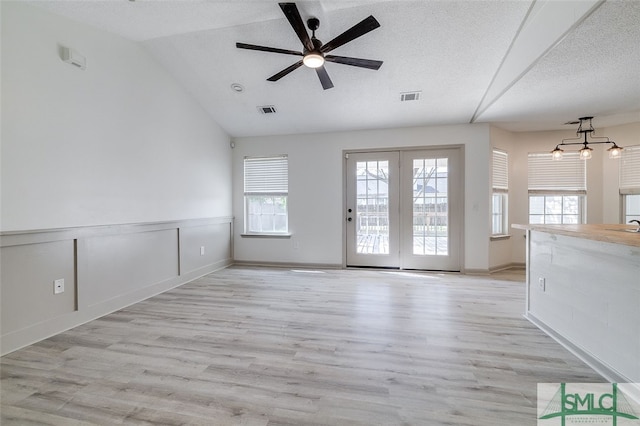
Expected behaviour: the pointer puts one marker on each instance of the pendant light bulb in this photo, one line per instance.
(556, 154)
(585, 153)
(615, 151)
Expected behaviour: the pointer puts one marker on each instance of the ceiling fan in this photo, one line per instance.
(314, 53)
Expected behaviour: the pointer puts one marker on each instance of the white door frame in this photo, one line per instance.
(456, 237)
(381, 247)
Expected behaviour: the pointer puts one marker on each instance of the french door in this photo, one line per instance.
(404, 209)
(373, 195)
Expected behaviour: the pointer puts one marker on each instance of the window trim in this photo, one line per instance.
(500, 186)
(266, 235)
(269, 180)
(504, 213)
(623, 207)
(582, 204)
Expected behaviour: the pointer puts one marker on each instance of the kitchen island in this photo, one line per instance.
(583, 289)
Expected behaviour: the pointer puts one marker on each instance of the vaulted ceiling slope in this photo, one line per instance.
(521, 65)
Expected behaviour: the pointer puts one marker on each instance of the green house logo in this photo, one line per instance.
(588, 403)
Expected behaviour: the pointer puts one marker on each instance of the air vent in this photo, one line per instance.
(267, 109)
(410, 96)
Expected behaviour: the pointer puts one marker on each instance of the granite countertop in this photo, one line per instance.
(610, 233)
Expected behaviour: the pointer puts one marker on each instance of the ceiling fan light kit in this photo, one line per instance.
(314, 52)
(313, 60)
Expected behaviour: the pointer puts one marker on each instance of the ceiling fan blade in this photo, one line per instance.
(359, 29)
(356, 62)
(285, 71)
(324, 78)
(291, 12)
(267, 49)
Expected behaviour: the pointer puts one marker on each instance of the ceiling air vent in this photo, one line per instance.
(410, 96)
(267, 109)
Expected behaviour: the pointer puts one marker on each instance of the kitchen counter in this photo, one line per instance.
(583, 289)
(609, 233)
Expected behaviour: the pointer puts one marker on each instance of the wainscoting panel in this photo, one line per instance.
(105, 268)
(120, 264)
(203, 245)
(28, 272)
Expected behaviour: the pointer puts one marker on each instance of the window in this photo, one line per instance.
(266, 188)
(630, 183)
(555, 209)
(557, 189)
(500, 185)
(631, 204)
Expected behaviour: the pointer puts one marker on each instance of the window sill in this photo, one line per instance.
(499, 237)
(266, 235)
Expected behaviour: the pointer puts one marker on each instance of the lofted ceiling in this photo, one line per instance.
(521, 65)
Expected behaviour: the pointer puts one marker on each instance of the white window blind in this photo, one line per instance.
(630, 170)
(266, 175)
(500, 170)
(566, 175)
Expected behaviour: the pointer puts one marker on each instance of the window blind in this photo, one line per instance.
(630, 170)
(500, 170)
(566, 175)
(266, 175)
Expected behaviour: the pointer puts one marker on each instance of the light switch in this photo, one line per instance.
(542, 284)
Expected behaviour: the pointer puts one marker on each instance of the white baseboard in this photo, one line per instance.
(287, 265)
(606, 371)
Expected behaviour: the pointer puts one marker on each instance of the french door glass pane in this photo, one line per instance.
(372, 215)
(430, 207)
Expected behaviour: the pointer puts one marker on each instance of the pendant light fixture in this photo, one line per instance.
(585, 152)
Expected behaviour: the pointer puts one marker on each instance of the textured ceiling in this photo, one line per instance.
(522, 65)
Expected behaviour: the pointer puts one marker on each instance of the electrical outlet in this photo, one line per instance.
(58, 286)
(542, 284)
(201, 250)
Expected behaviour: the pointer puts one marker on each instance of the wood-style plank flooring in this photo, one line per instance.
(259, 346)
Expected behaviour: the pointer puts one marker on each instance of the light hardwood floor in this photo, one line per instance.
(258, 346)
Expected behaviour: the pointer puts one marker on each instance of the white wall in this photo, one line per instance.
(84, 152)
(120, 142)
(316, 190)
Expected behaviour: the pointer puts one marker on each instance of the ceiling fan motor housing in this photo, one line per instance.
(313, 23)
